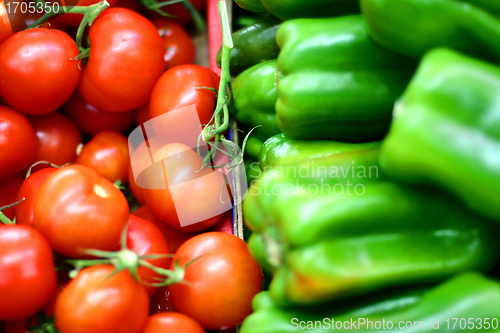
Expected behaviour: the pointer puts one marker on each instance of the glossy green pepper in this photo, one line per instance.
(251, 5)
(290, 9)
(331, 234)
(255, 95)
(253, 44)
(468, 295)
(446, 130)
(338, 84)
(413, 27)
(281, 150)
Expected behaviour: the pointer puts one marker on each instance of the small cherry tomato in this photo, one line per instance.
(8, 194)
(107, 153)
(171, 322)
(125, 61)
(27, 273)
(39, 71)
(25, 211)
(74, 20)
(77, 209)
(18, 142)
(94, 301)
(58, 138)
(179, 47)
(225, 277)
(162, 301)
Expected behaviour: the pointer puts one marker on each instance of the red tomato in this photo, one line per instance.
(179, 47)
(10, 23)
(25, 211)
(27, 273)
(17, 142)
(136, 190)
(58, 138)
(192, 200)
(39, 72)
(8, 194)
(177, 88)
(95, 302)
(225, 277)
(174, 237)
(92, 121)
(144, 238)
(107, 153)
(77, 209)
(225, 224)
(171, 322)
(74, 20)
(162, 301)
(126, 60)
(182, 16)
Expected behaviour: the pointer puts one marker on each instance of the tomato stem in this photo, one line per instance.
(156, 6)
(44, 163)
(4, 219)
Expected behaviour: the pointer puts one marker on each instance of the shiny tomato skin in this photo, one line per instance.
(95, 302)
(107, 153)
(126, 60)
(74, 20)
(171, 322)
(77, 209)
(179, 47)
(58, 138)
(92, 121)
(27, 273)
(144, 238)
(162, 301)
(225, 277)
(39, 72)
(16, 131)
(174, 237)
(177, 88)
(8, 194)
(25, 211)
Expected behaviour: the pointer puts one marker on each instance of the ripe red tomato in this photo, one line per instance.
(144, 238)
(10, 23)
(107, 153)
(92, 121)
(25, 211)
(58, 138)
(17, 142)
(174, 237)
(39, 72)
(77, 209)
(225, 277)
(126, 60)
(177, 88)
(179, 47)
(225, 224)
(74, 20)
(162, 301)
(95, 302)
(8, 194)
(27, 273)
(171, 322)
(192, 200)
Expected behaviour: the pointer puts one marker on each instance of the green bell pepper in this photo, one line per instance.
(251, 5)
(252, 45)
(290, 9)
(337, 84)
(446, 130)
(255, 94)
(413, 27)
(336, 232)
(280, 150)
(469, 295)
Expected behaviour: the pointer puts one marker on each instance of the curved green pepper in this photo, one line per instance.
(255, 94)
(251, 5)
(413, 27)
(446, 130)
(281, 150)
(290, 9)
(337, 84)
(466, 296)
(252, 45)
